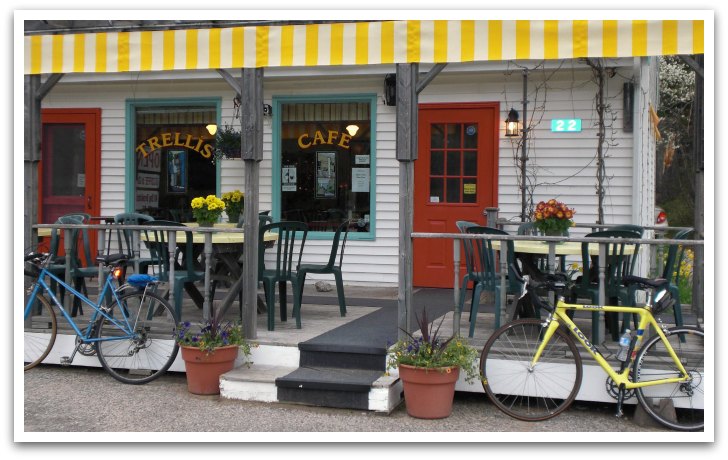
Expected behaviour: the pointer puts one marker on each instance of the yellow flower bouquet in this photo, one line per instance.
(233, 204)
(207, 210)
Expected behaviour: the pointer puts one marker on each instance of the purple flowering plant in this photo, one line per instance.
(212, 334)
(427, 349)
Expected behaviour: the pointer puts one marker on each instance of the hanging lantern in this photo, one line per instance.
(512, 128)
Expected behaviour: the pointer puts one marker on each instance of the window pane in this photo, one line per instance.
(453, 135)
(174, 153)
(437, 163)
(325, 163)
(469, 190)
(437, 136)
(470, 163)
(436, 190)
(453, 163)
(453, 190)
(471, 137)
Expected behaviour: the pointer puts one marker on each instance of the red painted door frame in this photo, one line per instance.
(456, 178)
(90, 201)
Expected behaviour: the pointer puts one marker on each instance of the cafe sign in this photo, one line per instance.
(305, 140)
(175, 139)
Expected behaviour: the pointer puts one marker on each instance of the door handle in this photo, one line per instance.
(88, 202)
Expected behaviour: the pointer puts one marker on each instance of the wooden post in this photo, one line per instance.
(31, 161)
(699, 146)
(406, 144)
(252, 154)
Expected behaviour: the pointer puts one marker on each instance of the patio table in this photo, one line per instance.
(225, 247)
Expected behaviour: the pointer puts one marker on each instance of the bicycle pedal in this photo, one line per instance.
(65, 361)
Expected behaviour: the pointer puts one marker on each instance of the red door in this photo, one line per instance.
(70, 164)
(456, 178)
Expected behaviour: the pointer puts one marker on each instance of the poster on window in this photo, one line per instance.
(288, 181)
(360, 180)
(325, 174)
(176, 171)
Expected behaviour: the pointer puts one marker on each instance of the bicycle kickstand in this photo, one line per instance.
(620, 399)
(67, 360)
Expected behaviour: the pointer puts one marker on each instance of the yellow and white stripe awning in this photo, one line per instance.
(378, 42)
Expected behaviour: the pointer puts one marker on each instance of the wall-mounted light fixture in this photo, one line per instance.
(390, 89)
(352, 129)
(211, 128)
(512, 123)
(267, 110)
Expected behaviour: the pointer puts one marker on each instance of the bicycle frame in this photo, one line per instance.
(40, 284)
(559, 317)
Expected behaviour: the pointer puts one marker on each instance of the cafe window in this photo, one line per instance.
(173, 161)
(326, 163)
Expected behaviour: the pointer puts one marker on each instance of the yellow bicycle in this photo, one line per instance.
(531, 368)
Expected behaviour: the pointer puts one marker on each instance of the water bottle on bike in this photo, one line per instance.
(624, 343)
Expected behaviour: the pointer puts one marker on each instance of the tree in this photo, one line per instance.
(675, 178)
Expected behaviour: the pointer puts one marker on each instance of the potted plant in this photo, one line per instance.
(553, 218)
(429, 367)
(227, 143)
(233, 204)
(209, 350)
(207, 210)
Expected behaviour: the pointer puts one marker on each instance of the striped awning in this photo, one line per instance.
(362, 43)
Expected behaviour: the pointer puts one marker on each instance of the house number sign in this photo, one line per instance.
(566, 125)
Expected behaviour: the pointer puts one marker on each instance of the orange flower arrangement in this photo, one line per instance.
(553, 217)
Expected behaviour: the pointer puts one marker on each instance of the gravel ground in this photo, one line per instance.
(76, 399)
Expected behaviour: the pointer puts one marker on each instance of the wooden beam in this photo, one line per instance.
(429, 76)
(694, 64)
(406, 145)
(232, 81)
(48, 85)
(252, 150)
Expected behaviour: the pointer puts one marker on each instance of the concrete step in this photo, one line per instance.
(258, 383)
(328, 387)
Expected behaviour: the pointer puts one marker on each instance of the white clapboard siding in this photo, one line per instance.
(563, 163)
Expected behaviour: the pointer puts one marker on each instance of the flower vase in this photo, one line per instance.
(554, 233)
(204, 369)
(206, 223)
(428, 392)
(234, 217)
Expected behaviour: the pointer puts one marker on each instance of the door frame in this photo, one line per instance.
(495, 136)
(65, 115)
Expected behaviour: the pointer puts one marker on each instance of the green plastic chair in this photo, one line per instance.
(184, 272)
(290, 235)
(332, 267)
(125, 239)
(482, 267)
(670, 272)
(618, 265)
(57, 264)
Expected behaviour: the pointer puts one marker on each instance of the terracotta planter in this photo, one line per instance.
(428, 393)
(204, 370)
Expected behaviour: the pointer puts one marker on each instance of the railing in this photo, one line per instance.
(552, 241)
(136, 248)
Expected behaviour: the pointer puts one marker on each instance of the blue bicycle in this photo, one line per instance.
(131, 329)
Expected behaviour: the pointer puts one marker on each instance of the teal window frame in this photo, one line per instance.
(278, 101)
(130, 144)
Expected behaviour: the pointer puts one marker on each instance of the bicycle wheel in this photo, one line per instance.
(152, 348)
(40, 331)
(653, 362)
(525, 393)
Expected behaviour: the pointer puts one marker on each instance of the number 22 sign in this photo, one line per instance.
(566, 125)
